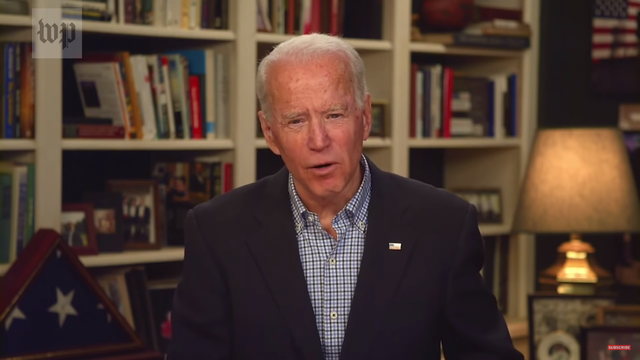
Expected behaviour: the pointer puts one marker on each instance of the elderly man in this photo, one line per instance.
(331, 257)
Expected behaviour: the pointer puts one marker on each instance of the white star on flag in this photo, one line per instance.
(63, 306)
(16, 313)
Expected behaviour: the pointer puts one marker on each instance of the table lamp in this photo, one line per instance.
(578, 181)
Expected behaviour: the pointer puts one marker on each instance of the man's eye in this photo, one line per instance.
(335, 116)
(295, 121)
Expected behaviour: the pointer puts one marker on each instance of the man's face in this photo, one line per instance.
(315, 121)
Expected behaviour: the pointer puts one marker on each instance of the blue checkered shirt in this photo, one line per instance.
(331, 267)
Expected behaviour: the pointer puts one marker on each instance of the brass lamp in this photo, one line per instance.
(578, 181)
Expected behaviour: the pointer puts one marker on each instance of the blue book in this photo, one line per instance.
(9, 90)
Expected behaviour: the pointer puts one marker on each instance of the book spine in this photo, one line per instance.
(5, 217)
(90, 131)
(31, 203)
(17, 79)
(22, 208)
(9, 85)
(196, 121)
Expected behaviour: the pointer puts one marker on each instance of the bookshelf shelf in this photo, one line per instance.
(494, 230)
(462, 143)
(359, 44)
(134, 257)
(17, 145)
(15, 20)
(373, 142)
(166, 254)
(131, 29)
(156, 31)
(432, 48)
(158, 145)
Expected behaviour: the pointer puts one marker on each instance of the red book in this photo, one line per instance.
(447, 94)
(196, 116)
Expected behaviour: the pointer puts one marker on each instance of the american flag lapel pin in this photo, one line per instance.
(395, 246)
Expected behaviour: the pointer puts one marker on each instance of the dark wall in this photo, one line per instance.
(569, 95)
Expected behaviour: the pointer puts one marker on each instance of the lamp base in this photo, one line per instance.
(576, 271)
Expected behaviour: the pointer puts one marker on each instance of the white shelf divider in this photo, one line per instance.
(359, 44)
(110, 144)
(463, 143)
(17, 144)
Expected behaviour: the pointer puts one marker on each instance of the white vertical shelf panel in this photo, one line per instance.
(398, 30)
(243, 15)
(522, 257)
(48, 137)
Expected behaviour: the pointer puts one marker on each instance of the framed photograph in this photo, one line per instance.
(140, 212)
(619, 315)
(114, 284)
(629, 117)
(107, 216)
(596, 339)
(77, 228)
(555, 323)
(488, 202)
(379, 118)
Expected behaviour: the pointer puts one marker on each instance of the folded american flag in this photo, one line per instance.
(52, 305)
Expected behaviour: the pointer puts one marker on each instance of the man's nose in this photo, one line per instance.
(318, 135)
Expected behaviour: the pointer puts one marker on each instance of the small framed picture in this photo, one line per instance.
(107, 215)
(629, 117)
(140, 212)
(78, 229)
(610, 342)
(619, 315)
(379, 118)
(555, 322)
(488, 202)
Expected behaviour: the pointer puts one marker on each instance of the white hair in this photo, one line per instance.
(303, 48)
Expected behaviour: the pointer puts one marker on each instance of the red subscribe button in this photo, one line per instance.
(619, 347)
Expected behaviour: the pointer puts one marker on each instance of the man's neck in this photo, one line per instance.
(328, 208)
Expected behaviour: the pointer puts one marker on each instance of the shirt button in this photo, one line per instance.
(332, 261)
(310, 218)
(334, 315)
(361, 225)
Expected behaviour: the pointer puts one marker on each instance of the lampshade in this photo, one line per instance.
(578, 180)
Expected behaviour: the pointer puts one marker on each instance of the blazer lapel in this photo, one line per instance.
(275, 249)
(381, 268)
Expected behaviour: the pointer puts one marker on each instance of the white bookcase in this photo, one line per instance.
(468, 162)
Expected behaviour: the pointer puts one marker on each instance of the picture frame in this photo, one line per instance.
(140, 212)
(555, 322)
(77, 228)
(629, 117)
(619, 315)
(380, 118)
(488, 203)
(107, 216)
(595, 339)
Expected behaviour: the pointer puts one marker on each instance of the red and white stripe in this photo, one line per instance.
(625, 39)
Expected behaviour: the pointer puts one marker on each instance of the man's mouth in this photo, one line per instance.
(322, 166)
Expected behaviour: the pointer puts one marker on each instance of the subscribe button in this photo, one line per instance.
(619, 347)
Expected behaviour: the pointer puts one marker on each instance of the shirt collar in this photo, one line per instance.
(355, 209)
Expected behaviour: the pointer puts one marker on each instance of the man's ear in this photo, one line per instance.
(366, 117)
(268, 132)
